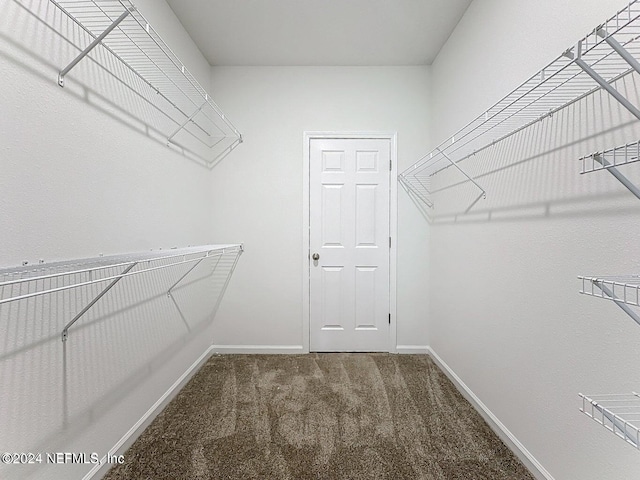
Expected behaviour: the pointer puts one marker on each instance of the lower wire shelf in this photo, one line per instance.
(618, 413)
(620, 288)
(26, 282)
(611, 158)
(624, 291)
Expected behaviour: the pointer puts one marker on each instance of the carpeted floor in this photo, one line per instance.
(319, 416)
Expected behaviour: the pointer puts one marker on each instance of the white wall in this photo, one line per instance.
(505, 313)
(81, 177)
(257, 194)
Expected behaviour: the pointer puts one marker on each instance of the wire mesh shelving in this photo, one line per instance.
(26, 282)
(618, 413)
(120, 28)
(611, 158)
(604, 56)
(624, 291)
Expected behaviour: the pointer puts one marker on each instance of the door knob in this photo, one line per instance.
(315, 256)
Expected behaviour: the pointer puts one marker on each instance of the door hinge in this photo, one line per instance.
(389, 242)
(389, 319)
(390, 165)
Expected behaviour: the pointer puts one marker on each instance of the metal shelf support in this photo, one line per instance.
(618, 413)
(198, 262)
(65, 330)
(483, 193)
(613, 158)
(91, 46)
(624, 291)
(619, 176)
(620, 303)
(189, 119)
(601, 81)
(619, 49)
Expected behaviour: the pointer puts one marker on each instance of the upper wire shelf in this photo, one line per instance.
(120, 28)
(605, 55)
(618, 413)
(26, 282)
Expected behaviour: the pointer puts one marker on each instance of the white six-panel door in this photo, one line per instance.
(349, 236)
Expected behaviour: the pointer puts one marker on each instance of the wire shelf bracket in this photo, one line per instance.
(120, 28)
(82, 272)
(618, 413)
(91, 46)
(424, 180)
(65, 330)
(483, 193)
(623, 291)
(198, 262)
(600, 59)
(186, 122)
(577, 58)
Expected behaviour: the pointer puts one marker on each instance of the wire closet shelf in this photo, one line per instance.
(29, 281)
(611, 158)
(120, 28)
(624, 291)
(618, 413)
(605, 55)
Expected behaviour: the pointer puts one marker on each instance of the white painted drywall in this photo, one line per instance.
(257, 194)
(80, 178)
(505, 313)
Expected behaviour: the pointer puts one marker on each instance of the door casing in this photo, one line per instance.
(393, 226)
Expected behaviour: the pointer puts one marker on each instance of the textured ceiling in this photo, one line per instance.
(319, 32)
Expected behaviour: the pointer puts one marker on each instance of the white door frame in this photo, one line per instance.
(393, 225)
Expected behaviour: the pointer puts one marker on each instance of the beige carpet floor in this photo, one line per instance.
(319, 416)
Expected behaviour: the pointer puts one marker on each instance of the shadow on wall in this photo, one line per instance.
(535, 173)
(52, 390)
(37, 30)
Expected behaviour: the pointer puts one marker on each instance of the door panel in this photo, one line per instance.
(349, 230)
(365, 291)
(366, 215)
(331, 308)
(332, 215)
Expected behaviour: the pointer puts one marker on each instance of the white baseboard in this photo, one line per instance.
(266, 349)
(494, 423)
(101, 469)
(407, 349)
